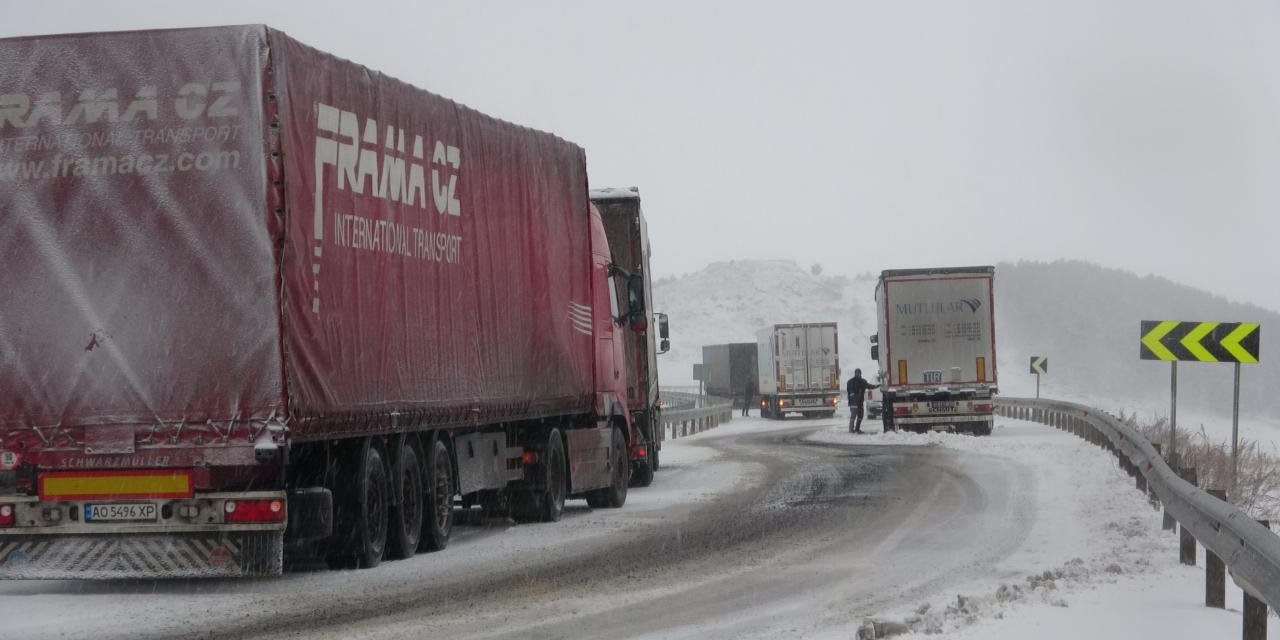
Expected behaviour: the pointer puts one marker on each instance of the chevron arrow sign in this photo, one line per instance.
(1039, 364)
(1200, 341)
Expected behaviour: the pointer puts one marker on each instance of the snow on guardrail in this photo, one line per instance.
(689, 413)
(1249, 549)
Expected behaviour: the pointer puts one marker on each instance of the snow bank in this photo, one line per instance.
(1097, 563)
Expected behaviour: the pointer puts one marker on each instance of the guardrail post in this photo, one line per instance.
(1187, 542)
(1254, 626)
(1215, 572)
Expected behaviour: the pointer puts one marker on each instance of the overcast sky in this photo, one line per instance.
(1143, 135)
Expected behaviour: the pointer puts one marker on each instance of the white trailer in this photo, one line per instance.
(799, 369)
(936, 348)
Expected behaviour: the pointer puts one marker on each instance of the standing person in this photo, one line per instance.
(856, 389)
(748, 396)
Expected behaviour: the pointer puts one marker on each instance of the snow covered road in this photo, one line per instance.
(753, 529)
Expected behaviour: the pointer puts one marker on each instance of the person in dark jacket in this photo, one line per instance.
(856, 389)
(748, 396)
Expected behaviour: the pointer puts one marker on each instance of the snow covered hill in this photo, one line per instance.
(730, 301)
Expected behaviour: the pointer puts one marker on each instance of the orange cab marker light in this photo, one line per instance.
(107, 484)
(529, 457)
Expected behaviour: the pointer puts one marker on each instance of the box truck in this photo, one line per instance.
(729, 369)
(936, 348)
(256, 295)
(628, 236)
(799, 369)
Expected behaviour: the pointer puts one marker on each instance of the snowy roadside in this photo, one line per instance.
(1096, 563)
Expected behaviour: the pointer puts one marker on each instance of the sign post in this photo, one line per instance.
(1173, 342)
(1039, 365)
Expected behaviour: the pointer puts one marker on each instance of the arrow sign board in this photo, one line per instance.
(1200, 341)
(1039, 365)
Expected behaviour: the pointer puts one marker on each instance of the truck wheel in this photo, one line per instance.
(615, 495)
(642, 476)
(546, 505)
(361, 508)
(437, 520)
(373, 494)
(405, 527)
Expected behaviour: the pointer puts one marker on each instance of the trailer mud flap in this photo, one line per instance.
(110, 556)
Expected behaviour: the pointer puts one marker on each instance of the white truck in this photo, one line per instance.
(936, 348)
(799, 369)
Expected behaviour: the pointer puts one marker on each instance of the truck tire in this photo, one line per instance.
(546, 504)
(615, 495)
(405, 527)
(886, 415)
(362, 509)
(437, 518)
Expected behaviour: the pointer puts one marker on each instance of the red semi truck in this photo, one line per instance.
(256, 296)
(628, 235)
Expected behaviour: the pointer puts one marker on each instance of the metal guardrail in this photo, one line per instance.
(1249, 549)
(689, 413)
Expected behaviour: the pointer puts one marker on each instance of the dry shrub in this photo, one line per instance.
(1258, 484)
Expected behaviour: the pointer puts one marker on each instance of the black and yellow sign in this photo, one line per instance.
(1039, 365)
(1200, 341)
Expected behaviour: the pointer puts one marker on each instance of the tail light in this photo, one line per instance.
(529, 457)
(640, 452)
(6, 515)
(901, 410)
(835, 400)
(984, 407)
(254, 510)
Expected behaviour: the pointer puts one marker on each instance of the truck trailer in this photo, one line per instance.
(729, 369)
(628, 236)
(936, 348)
(799, 369)
(258, 297)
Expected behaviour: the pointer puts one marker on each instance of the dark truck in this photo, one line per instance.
(258, 296)
(729, 369)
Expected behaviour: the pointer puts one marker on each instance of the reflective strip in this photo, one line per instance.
(78, 485)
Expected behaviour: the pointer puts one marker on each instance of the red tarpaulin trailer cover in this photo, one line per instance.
(223, 224)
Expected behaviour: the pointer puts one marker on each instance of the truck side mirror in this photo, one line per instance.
(875, 352)
(635, 294)
(664, 332)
